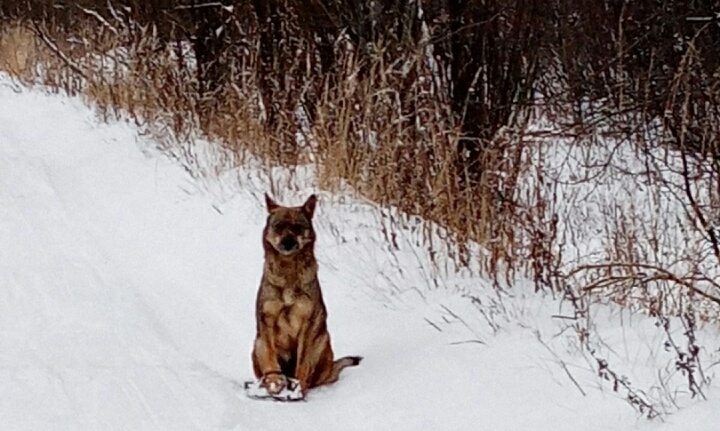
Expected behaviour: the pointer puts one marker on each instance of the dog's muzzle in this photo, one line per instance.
(288, 244)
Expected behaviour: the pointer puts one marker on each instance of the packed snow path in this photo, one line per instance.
(127, 300)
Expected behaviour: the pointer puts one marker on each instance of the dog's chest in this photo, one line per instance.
(294, 314)
(296, 306)
(288, 297)
(287, 311)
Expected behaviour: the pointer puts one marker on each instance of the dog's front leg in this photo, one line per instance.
(265, 357)
(305, 363)
(311, 349)
(266, 365)
(303, 370)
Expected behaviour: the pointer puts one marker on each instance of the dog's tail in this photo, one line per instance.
(341, 364)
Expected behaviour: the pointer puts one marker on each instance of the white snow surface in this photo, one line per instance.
(127, 295)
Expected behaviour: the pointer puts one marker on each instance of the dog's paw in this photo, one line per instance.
(274, 383)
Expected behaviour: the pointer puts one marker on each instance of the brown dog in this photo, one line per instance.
(292, 338)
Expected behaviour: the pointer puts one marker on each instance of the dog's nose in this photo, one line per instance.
(288, 243)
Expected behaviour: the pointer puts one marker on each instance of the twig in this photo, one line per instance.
(102, 20)
(662, 274)
(430, 322)
(561, 362)
(454, 343)
(200, 6)
(54, 48)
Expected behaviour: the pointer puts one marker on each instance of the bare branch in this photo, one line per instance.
(54, 48)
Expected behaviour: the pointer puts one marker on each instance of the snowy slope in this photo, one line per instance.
(127, 297)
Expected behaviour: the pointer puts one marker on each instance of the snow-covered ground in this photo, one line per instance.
(617, 201)
(127, 297)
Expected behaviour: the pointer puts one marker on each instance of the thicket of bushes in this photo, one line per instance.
(387, 71)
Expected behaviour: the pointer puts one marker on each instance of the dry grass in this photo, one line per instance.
(390, 138)
(392, 142)
(19, 52)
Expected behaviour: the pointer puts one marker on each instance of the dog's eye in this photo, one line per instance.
(280, 225)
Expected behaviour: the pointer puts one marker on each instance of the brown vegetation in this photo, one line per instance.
(426, 106)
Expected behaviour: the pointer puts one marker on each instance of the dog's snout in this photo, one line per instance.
(288, 243)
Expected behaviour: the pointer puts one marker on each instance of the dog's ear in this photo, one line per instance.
(309, 205)
(271, 204)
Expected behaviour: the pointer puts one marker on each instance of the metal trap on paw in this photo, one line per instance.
(292, 391)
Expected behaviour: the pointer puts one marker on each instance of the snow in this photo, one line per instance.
(127, 294)
(620, 201)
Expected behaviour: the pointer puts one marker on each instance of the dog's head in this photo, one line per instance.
(289, 229)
